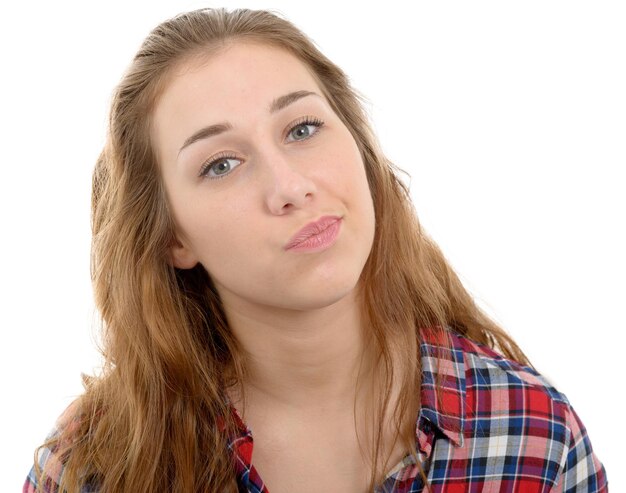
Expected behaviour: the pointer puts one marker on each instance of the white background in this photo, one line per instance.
(509, 117)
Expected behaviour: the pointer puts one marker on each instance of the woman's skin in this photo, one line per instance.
(295, 314)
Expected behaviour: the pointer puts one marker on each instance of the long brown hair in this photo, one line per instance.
(151, 420)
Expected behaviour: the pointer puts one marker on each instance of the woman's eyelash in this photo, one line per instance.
(307, 120)
(208, 165)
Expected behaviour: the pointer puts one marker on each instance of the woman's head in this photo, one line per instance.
(152, 211)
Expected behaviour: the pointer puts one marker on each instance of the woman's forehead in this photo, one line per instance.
(238, 64)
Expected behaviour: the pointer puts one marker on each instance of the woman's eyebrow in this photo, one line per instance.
(283, 101)
(278, 104)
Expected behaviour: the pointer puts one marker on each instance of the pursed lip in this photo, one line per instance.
(313, 228)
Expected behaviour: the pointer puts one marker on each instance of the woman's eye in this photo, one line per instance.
(217, 168)
(304, 130)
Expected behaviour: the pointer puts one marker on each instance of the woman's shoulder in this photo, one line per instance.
(48, 462)
(504, 404)
(49, 459)
(486, 366)
(481, 366)
(511, 387)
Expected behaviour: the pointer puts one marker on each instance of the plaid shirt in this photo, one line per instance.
(498, 427)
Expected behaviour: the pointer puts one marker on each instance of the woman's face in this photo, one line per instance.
(241, 190)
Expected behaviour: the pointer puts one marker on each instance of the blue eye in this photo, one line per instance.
(305, 129)
(219, 167)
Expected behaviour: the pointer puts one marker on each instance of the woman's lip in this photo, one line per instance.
(313, 229)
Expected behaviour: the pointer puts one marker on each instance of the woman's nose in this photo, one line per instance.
(288, 186)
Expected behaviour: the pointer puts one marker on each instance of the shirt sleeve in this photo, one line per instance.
(582, 470)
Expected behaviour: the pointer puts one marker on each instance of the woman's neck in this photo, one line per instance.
(303, 359)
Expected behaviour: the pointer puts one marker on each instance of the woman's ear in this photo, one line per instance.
(181, 256)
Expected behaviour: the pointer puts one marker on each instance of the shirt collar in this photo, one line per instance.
(443, 366)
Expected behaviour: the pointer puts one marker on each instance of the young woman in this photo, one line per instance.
(274, 317)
